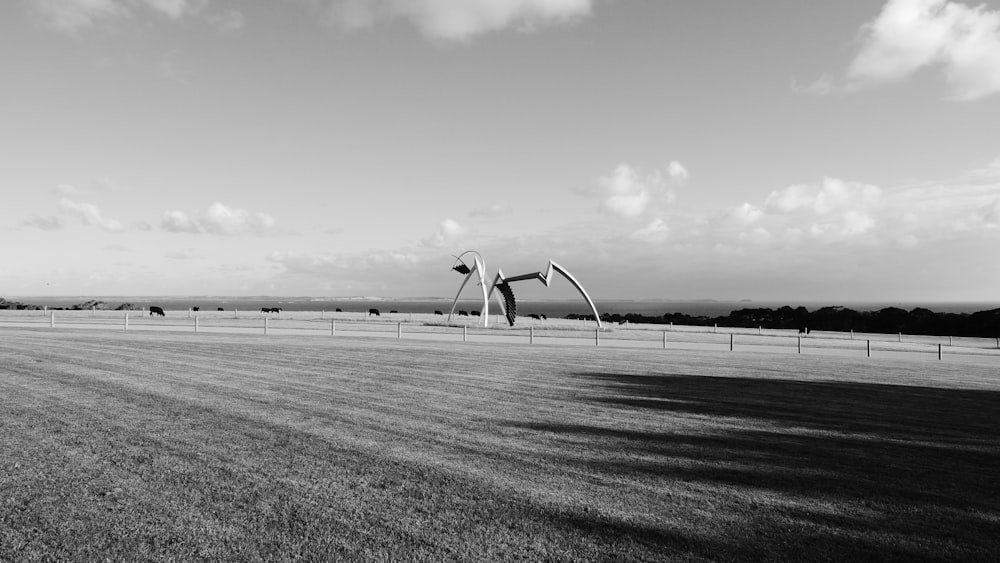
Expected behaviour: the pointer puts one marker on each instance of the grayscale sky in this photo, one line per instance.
(774, 149)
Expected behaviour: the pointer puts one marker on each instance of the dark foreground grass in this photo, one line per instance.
(219, 447)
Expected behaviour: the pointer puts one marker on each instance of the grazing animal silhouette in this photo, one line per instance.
(374, 312)
(220, 309)
(438, 313)
(463, 313)
(196, 309)
(804, 330)
(156, 310)
(393, 312)
(270, 309)
(536, 317)
(475, 313)
(339, 311)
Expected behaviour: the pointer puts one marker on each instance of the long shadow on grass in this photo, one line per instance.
(897, 471)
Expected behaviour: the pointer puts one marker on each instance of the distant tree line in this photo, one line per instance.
(889, 320)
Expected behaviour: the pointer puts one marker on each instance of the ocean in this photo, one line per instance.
(551, 308)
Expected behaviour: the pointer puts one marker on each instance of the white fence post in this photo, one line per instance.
(399, 330)
(196, 323)
(126, 321)
(333, 327)
(322, 315)
(265, 326)
(900, 337)
(664, 340)
(597, 337)
(52, 320)
(465, 334)
(531, 335)
(236, 313)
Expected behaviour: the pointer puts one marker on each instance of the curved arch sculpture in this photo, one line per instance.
(501, 280)
(501, 283)
(478, 267)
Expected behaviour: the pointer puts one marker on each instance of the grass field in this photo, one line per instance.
(181, 446)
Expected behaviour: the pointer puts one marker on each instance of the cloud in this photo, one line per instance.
(629, 193)
(460, 19)
(448, 233)
(909, 35)
(70, 15)
(830, 196)
(655, 231)
(90, 215)
(677, 171)
(820, 87)
(186, 254)
(51, 223)
(228, 22)
(495, 210)
(76, 15)
(218, 219)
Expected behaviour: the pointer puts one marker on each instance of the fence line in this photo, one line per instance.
(680, 337)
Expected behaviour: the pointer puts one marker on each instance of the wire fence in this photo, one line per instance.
(561, 332)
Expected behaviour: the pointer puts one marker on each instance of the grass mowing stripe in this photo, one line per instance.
(221, 446)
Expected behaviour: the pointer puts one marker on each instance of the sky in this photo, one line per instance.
(655, 149)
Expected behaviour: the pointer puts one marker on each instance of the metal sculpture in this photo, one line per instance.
(501, 283)
(478, 267)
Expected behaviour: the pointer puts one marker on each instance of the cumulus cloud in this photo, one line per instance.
(90, 215)
(677, 171)
(830, 196)
(629, 193)
(460, 19)
(909, 35)
(449, 232)
(831, 209)
(218, 219)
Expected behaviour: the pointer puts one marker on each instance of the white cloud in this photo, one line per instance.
(830, 196)
(449, 232)
(74, 15)
(655, 231)
(909, 35)
(677, 171)
(460, 19)
(71, 15)
(819, 87)
(628, 193)
(218, 219)
(89, 214)
(50, 223)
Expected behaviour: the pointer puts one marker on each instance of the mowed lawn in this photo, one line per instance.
(179, 446)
